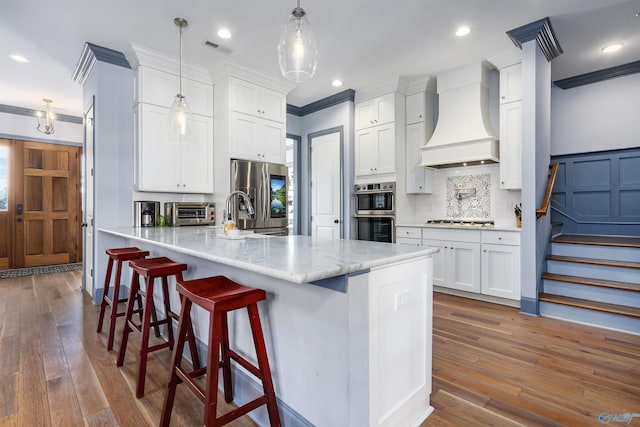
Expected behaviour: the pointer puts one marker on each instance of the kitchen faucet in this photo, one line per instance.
(250, 211)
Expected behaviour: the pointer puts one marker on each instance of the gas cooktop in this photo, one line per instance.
(460, 223)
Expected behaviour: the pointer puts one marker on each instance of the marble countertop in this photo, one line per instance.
(460, 227)
(298, 259)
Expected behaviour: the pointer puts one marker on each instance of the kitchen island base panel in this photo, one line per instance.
(358, 358)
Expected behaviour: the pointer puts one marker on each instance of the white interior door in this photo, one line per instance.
(88, 204)
(325, 186)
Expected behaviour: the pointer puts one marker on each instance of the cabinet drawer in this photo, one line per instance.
(451, 234)
(501, 237)
(409, 232)
(408, 241)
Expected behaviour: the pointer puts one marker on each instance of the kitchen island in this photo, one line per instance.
(347, 323)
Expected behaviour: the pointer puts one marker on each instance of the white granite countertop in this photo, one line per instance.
(298, 259)
(461, 227)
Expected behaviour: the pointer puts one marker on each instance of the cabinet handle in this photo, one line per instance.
(184, 185)
(503, 97)
(484, 250)
(446, 247)
(420, 116)
(178, 185)
(499, 238)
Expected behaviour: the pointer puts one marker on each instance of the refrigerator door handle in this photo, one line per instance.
(265, 188)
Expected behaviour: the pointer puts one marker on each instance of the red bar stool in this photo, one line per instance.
(150, 268)
(117, 255)
(219, 295)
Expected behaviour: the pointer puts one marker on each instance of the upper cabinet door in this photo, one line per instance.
(245, 97)
(199, 96)
(376, 111)
(415, 108)
(156, 87)
(249, 98)
(160, 88)
(273, 105)
(511, 83)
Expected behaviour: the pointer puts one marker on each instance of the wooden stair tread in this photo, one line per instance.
(594, 261)
(592, 282)
(581, 239)
(592, 305)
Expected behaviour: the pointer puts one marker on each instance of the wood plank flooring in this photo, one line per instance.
(492, 366)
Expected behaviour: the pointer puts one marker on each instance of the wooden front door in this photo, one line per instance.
(47, 204)
(5, 214)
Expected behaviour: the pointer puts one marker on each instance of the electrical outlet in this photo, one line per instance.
(401, 300)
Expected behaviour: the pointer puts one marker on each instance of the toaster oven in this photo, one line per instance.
(189, 213)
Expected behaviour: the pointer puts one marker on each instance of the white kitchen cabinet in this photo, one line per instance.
(501, 264)
(258, 101)
(511, 83)
(409, 236)
(419, 179)
(511, 145)
(511, 127)
(416, 108)
(166, 166)
(376, 111)
(375, 150)
(157, 87)
(253, 138)
(456, 265)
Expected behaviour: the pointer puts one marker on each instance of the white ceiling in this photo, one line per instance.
(362, 42)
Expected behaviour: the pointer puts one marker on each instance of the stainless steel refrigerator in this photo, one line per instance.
(266, 185)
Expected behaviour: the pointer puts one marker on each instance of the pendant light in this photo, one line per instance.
(47, 129)
(297, 50)
(180, 116)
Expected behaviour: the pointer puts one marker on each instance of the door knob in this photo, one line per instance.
(84, 224)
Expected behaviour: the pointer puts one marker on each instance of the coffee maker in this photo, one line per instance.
(145, 213)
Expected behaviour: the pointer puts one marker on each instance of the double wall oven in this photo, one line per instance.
(375, 212)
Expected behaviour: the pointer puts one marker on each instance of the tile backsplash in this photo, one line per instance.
(490, 201)
(469, 196)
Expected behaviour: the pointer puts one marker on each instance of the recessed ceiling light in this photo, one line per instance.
(18, 58)
(612, 47)
(337, 83)
(463, 31)
(224, 33)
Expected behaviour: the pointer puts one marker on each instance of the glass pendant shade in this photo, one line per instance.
(180, 116)
(297, 50)
(180, 119)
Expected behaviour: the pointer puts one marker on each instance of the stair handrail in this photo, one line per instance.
(579, 221)
(546, 201)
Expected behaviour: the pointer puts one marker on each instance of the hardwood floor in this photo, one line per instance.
(492, 366)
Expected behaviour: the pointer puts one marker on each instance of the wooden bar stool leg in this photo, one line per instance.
(115, 297)
(193, 347)
(226, 360)
(263, 364)
(213, 365)
(167, 310)
(144, 343)
(105, 289)
(135, 286)
(176, 361)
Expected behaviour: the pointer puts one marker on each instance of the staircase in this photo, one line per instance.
(593, 280)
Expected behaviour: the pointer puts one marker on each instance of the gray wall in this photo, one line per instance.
(595, 117)
(338, 115)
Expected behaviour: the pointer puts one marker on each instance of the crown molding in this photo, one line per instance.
(140, 55)
(598, 76)
(396, 85)
(92, 53)
(232, 69)
(20, 111)
(542, 32)
(347, 95)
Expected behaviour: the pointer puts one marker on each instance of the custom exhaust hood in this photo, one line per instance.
(463, 134)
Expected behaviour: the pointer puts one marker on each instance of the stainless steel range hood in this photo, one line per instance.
(463, 134)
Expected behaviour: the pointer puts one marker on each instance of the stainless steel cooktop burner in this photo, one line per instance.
(460, 223)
